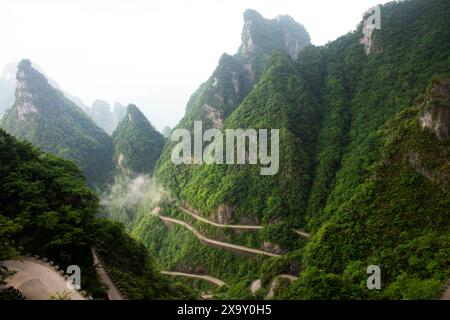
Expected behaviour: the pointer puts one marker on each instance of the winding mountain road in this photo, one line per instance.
(255, 284)
(215, 242)
(229, 226)
(234, 226)
(274, 283)
(213, 280)
(302, 233)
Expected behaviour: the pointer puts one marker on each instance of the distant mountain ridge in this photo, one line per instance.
(100, 112)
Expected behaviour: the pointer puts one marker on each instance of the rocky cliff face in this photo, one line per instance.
(436, 109)
(367, 40)
(262, 36)
(235, 76)
(26, 92)
(231, 83)
(8, 85)
(368, 29)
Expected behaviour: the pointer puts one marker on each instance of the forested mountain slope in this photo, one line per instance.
(363, 160)
(232, 81)
(42, 115)
(137, 144)
(397, 219)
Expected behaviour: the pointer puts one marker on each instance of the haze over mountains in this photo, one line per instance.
(101, 113)
(363, 179)
(8, 83)
(45, 116)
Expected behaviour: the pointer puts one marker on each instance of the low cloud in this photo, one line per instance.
(127, 195)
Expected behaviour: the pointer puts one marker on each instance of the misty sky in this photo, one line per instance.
(154, 53)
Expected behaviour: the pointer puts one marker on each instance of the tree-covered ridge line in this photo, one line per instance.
(137, 144)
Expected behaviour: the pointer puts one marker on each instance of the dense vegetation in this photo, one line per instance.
(48, 210)
(357, 168)
(230, 83)
(129, 261)
(397, 219)
(176, 248)
(42, 115)
(138, 144)
(364, 167)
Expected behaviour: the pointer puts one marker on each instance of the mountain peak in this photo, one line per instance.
(250, 15)
(26, 72)
(138, 145)
(134, 114)
(263, 36)
(31, 84)
(24, 64)
(132, 108)
(44, 116)
(100, 104)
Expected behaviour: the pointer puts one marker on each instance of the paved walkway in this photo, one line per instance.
(37, 280)
(213, 280)
(113, 292)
